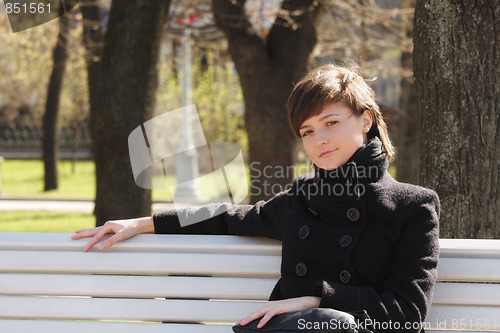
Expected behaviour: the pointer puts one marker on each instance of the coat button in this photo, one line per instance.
(345, 277)
(353, 214)
(313, 212)
(304, 231)
(345, 241)
(301, 269)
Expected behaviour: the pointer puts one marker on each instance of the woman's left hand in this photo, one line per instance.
(278, 307)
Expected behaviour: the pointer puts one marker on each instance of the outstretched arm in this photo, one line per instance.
(261, 219)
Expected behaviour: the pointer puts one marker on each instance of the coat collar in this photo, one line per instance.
(349, 181)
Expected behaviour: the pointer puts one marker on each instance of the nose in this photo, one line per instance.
(321, 138)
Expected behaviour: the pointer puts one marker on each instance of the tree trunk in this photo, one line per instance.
(407, 163)
(93, 40)
(126, 98)
(50, 144)
(267, 70)
(457, 66)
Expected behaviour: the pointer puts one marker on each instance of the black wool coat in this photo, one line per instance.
(353, 236)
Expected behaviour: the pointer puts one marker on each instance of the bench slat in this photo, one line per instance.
(144, 243)
(469, 248)
(201, 287)
(449, 248)
(149, 310)
(136, 286)
(140, 263)
(469, 270)
(23, 307)
(467, 294)
(464, 317)
(450, 269)
(48, 326)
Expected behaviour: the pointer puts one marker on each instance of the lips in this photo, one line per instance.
(327, 153)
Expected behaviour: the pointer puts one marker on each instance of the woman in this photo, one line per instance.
(353, 237)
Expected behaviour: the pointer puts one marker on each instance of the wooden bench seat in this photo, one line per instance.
(193, 283)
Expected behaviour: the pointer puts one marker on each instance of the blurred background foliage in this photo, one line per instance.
(246, 57)
(367, 31)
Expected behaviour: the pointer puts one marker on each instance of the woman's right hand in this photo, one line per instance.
(122, 229)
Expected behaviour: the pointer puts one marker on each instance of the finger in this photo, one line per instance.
(112, 240)
(265, 319)
(85, 233)
(96, 238)
(78, 236)
(252, 316)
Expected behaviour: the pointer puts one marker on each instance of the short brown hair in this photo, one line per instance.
(330, 84)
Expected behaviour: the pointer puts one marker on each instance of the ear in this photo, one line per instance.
(367, 121)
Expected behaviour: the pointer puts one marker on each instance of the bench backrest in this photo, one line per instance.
(195, 283)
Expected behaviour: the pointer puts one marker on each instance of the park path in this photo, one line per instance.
(74, 206)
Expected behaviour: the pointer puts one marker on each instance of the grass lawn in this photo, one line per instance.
(14, 221)
(24, 179)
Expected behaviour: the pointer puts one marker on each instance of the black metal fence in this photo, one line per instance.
(19, 141)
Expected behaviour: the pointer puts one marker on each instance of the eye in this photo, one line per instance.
(305, 133)
(332, 122)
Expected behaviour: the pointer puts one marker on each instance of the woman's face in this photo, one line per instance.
(333, 136)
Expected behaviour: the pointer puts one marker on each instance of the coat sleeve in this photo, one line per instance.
(406, 295)
(262, 219)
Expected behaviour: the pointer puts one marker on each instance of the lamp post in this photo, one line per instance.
(187, 161)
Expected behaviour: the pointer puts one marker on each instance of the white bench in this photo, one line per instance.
(196, 284)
